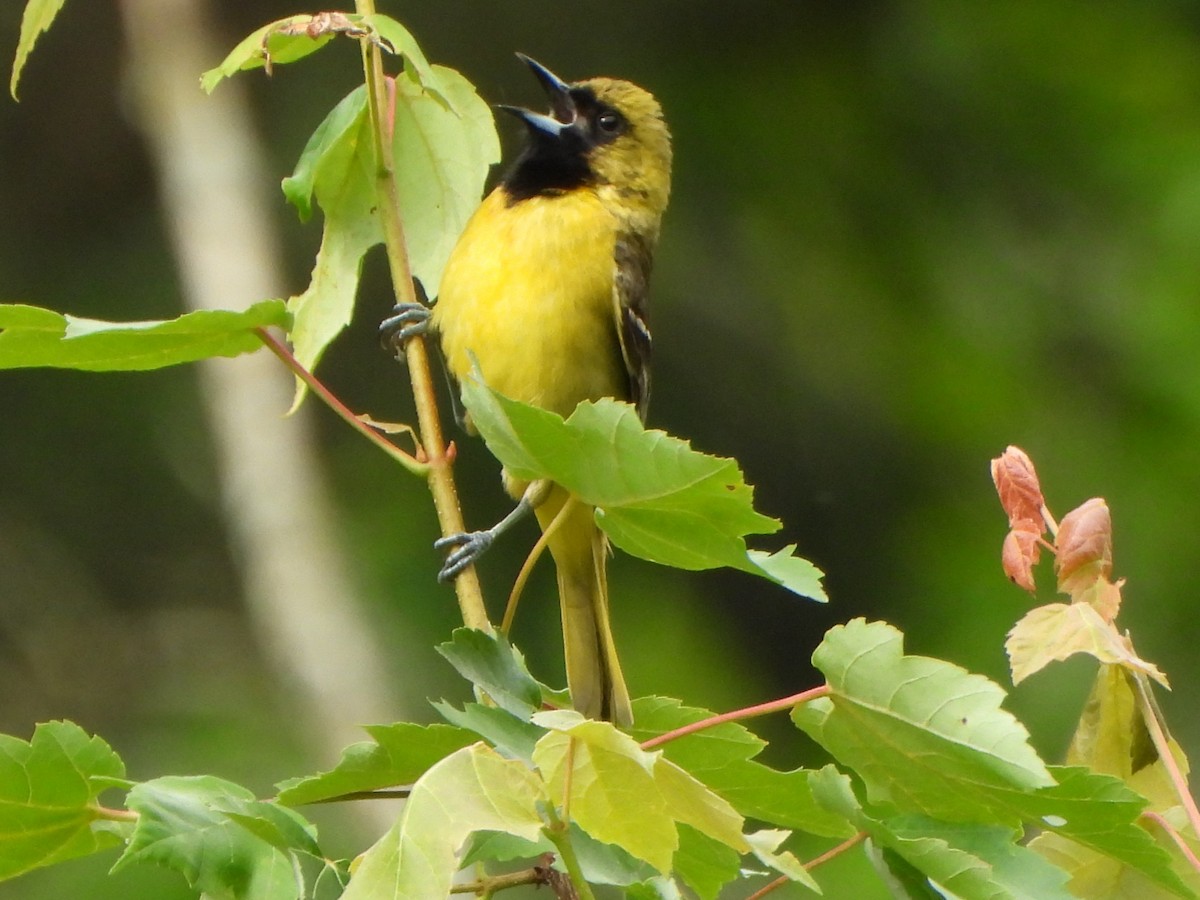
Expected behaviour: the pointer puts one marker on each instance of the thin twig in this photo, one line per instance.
(748, 712)
(490, 885)
(331, 400)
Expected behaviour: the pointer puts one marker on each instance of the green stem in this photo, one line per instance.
(380, 103)
(344, 412)
(560, 837)
(114, 815)
(748, 712)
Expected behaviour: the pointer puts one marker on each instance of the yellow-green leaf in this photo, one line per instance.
(38, 17)
(472, 789)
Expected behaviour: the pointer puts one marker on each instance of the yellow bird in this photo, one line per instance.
(547, 291)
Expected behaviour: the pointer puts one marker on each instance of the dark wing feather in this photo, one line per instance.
(631, 306)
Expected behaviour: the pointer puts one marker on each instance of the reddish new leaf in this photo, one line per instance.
(1021, 553)
(1017, 486)
(1084, 545)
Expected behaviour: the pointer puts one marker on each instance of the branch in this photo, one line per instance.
(380, 102)
(538, 875)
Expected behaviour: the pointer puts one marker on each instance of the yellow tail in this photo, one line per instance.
(580, 553)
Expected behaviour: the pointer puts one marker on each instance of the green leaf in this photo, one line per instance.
(473, 789)
(701, 752)
(497, 846)
(766, 844)
(1099, 811)
(444, 142)
(964, 860)
(491, 663)
(722, 758)
(923, 734)
(401, 42)
(793, 572)
(655, 496)
(703, 864)
(31, 336)
(691, 803)
(903, 880)
(39, 15)
(623, 795)
(975, 860)
(288, 40)
(48, 793)
(614, 797)
(928, 738)
(284, 40)
(600, 863)
(337, 167)
(504, 731)
(657, 888)
(224, 841)
(1100, 877)
(1112, 737)
(398, 755)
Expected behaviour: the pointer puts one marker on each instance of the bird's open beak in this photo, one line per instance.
(562, 106)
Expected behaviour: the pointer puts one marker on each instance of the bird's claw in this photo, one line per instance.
(406, 322)
(467, 546)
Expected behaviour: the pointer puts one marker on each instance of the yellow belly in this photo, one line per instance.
(528, 291)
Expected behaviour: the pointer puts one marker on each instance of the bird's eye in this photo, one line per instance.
(609, 122)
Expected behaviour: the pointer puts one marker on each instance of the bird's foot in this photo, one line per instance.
(406, 322)
(467, 546)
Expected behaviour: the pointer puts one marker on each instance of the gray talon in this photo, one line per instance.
(406, 322)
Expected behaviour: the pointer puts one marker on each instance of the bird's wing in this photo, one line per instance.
(631, 307)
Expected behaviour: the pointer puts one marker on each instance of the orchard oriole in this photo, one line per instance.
(546, 291)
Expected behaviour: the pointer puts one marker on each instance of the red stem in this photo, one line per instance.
(1176, 837)
(330, 399)
(748, 712)
(1162, 744)
(812, 864)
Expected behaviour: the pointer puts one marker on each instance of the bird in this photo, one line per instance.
(546, 293)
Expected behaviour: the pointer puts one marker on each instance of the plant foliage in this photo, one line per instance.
(929, 774)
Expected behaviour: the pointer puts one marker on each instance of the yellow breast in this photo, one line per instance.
(528, 291)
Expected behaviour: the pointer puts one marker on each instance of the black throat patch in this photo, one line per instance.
(548, 166)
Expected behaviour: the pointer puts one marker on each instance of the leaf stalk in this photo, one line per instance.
(748, 712)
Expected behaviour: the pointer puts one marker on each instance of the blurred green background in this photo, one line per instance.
(902, 236)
